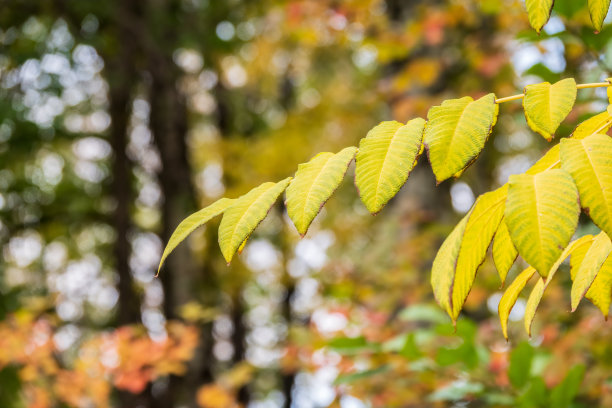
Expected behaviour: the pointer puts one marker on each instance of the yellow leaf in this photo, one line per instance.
(532, 304)
(599, 123)
(598, 9)
(510, 296)
(578, 254)
(549, 161)
(386, 156)
(537, 292)
(547, 105)
(189, 224)
(539, 12)
(600, 291)
(443, 269)
(504, 252)
(589, 161)
(542, 214)
(483, 220)
(591, 264)
(313, 184)
(456, 133)
(245, 213)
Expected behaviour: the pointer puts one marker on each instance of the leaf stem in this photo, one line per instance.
(579, 86)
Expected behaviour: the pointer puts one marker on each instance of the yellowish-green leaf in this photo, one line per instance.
(591, 264)
(246, 212)
(598, 9)
(578, 254)
(600, 292)
(510, 296)
(443, 269)
(538, 290)
(549, 161)
(457, 131)
(542, 214)
(189, 224)
(532, 304)
(539, 12)
(547, 105)
(504, 252)
(385, 158)
(599, 123)
(313, 184)
(589, 161)
(482, 223)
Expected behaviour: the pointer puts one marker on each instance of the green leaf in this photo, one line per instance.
(189, 224)
(361, 375)
(532, 303)
(511, 295)
(483, 220)
(598, 9)
(520, 364)
(591, 264)
(538, 291)
(565, 392)
(600, 292)
(547, 105)
(539, 12)
(542, 214)
(313, 184)
(443, 269)
(504, 252)
(386, 156)
(246, 212)
(457, 131)
(589, 161)
(599, 123)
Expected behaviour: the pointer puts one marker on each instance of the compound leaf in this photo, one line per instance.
(386, 156)
(542, 214)
(589, 161)
(189, 224)
(246, 212)
(456, 133)
(314, 183)
(547, 105)
(599, 123)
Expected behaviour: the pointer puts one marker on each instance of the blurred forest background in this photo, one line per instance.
(119, 118)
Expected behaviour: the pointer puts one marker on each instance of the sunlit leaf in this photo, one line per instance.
(532, 304)
(600, 292)
(542, 214)
(313, 184)
(599, 123)
(511, 295)
(245, 213)
(483, 220)
(189, 224)
(539, 12)
(591, 264)
(385, 158)
(443, 269)
(546, 105)
(504, 252)
(589, 161)
(598, 9)
(456, 133)
(550, 160)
